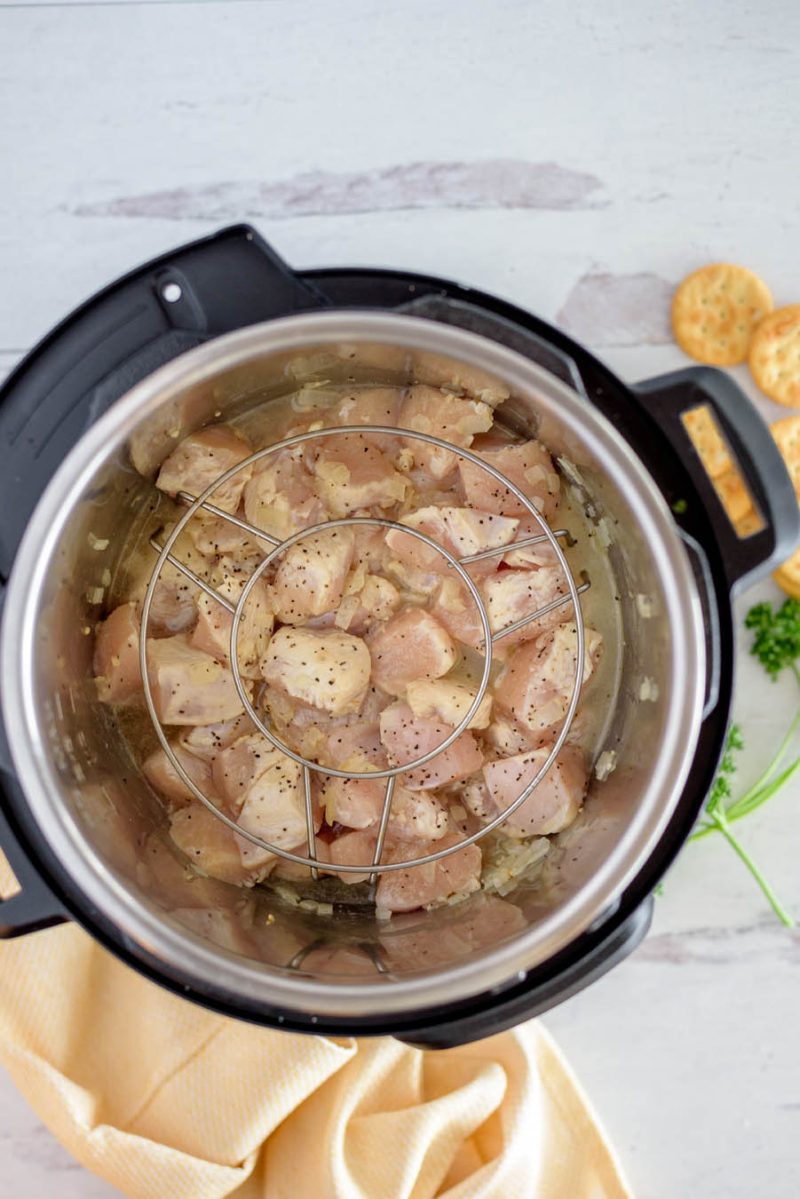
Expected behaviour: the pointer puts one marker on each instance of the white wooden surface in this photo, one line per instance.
(576, 158)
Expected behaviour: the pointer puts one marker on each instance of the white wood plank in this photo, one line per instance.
(129, 126)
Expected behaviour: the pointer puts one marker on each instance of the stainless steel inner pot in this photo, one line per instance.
(105, 825)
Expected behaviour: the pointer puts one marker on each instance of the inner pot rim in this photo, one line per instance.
(177, 946)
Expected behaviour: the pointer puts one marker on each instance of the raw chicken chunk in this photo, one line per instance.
(116, 656)
(510, 595)
(554, 801)
(536, 684)
(441, 414)
(164, 778)
(325, 668)
(369, 406)
(274, 805)
(212, 633)
(540, 554)
(447, 702)
(200, 459)
(189, 686)
(411, 645)
(352, 474)
(214, 850)
(280, 496)
(356, 746)
(433, 883)
(462, 531)
(238, 765)
(408, 737)
(375, 600)
(358, 803)
(508, 737)
(206, 740)
(529, 466)
(213, 537)
(440, 371)
(454, 607)
(311, 577)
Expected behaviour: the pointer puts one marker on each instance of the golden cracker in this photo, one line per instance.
(787, 576)
(749, 524)
(734, 495)
(787, 437)
(707, 440)
(775, 355)
(716, 309)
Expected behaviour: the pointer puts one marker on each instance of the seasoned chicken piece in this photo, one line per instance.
(206, 740)
(116, 656)
(454, 607)
(212, 633)
(158, 434)
(432, 883)
(324, 668)
(462, 531)
(541, 554)
(280, 496)
(358, 803)
(189, 686)
(536, 683)
(164, 778)
(408, 737)
(447, 702)
(375, 600)
(214, 850)
(238, 765)
(369, 406)
(352, 474)
(510, 595)
(527, 465)
(274, 804)
(507, 737)
(355, 746)
(411, 645)
(201, 458)
(355, 848)
(440, 371)
(441, 414)
(311, 576)
(554, 801)
(214, 537)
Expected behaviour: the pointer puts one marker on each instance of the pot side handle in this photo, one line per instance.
(34, 906)
(759, 462)
(125, 332)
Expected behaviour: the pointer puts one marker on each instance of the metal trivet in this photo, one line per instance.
(375, 867)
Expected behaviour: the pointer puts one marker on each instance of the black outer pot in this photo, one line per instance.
(234, 279)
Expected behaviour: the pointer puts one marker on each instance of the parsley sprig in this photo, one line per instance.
(776, 644)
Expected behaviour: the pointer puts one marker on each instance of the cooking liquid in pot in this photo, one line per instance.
(508, 858)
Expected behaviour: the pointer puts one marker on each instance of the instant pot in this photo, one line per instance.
(201, 333)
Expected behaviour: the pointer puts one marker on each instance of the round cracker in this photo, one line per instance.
(775, 355)
(787, 576)
(716, 309)
(787, 437)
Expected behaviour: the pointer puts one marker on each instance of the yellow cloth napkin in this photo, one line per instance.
(168, 1101)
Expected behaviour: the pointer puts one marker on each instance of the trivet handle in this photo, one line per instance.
(667, 399)
(125, 332)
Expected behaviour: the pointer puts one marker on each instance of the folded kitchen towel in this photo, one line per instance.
(168, 1101)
